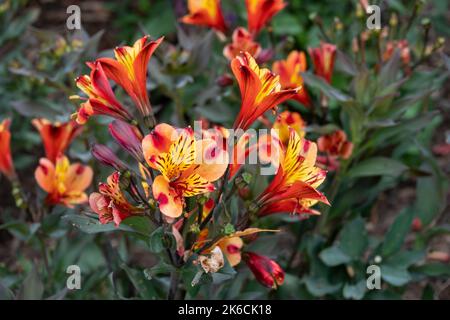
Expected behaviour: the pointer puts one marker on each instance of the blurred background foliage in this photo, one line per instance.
(389, 200)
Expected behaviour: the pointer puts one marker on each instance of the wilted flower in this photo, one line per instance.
(213, 262)
(56, 136)
(129, 70)
(101, 98)
(290, 77)
(242, 41)
(128, 137)
(188, 166)
(64, 182)
(294, 187)
(6, 163)
(323, 59)
(260, 90)
(110, 203)
(205, 13)
(266, 271)
(335, 144)
(107, 157)
(260, 12)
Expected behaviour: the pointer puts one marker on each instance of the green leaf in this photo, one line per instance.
(353, 238)
(397, 232)
(332, 93)
(377, 166)
(5, 293)
(334, 256)
(320, 286)
(355, 291)
(395, 276)
(32, 287)
(155, 242)
(143, 286)
(434, 269)
(345, 64)
(91, 225)
(404, 259)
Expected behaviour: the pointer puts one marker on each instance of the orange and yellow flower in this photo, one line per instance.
(266, 271)
(259, 13)
(188, 166)
(56, 136)
(323, 59)
(6, 163)
(294, 187)
(286, 121)
(101, 99)
(290, 77)
(129, 70)
(242, 41)
(110, 203)
(65, 183)
(336, 144)
(206, 13)
(260, 90)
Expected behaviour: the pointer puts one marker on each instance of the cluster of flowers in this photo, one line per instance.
(177, 163)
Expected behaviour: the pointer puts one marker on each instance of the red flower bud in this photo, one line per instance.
(265, 270)
(128, 137)
(107, 157)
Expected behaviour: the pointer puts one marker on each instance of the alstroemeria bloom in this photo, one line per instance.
(188, 166)
(110, 203)
(285, 121)
(56, 136)
(260, 90)
(323, 59)
(336, 144)
(6, 163)
(294, 187)
(242, 41)
(266, 271)
(260, 12)
(129, 70)
(65, 183)
(101, 98)
(205, 13)
(290, 77)
(128, 137)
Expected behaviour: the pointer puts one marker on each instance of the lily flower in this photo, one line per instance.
(110, 203)
(294, 187)
(206, 13)
(266, 271)
(101, 99)
(336, 144)
(323, 59)
(65, 183)
(129, 70)
(290, 77)
(242, 41)
(260, 12)
(56, 136)
(260, 90)
(6, 163)
(188, 166)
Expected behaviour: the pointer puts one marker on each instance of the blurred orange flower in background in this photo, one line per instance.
(323, 59)
(285, 121)
(205, 13)
(242, 41)
(65, 183)
(336, 144)
(290, 77)
(6, 163)
(260, 12)
(56, 136)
